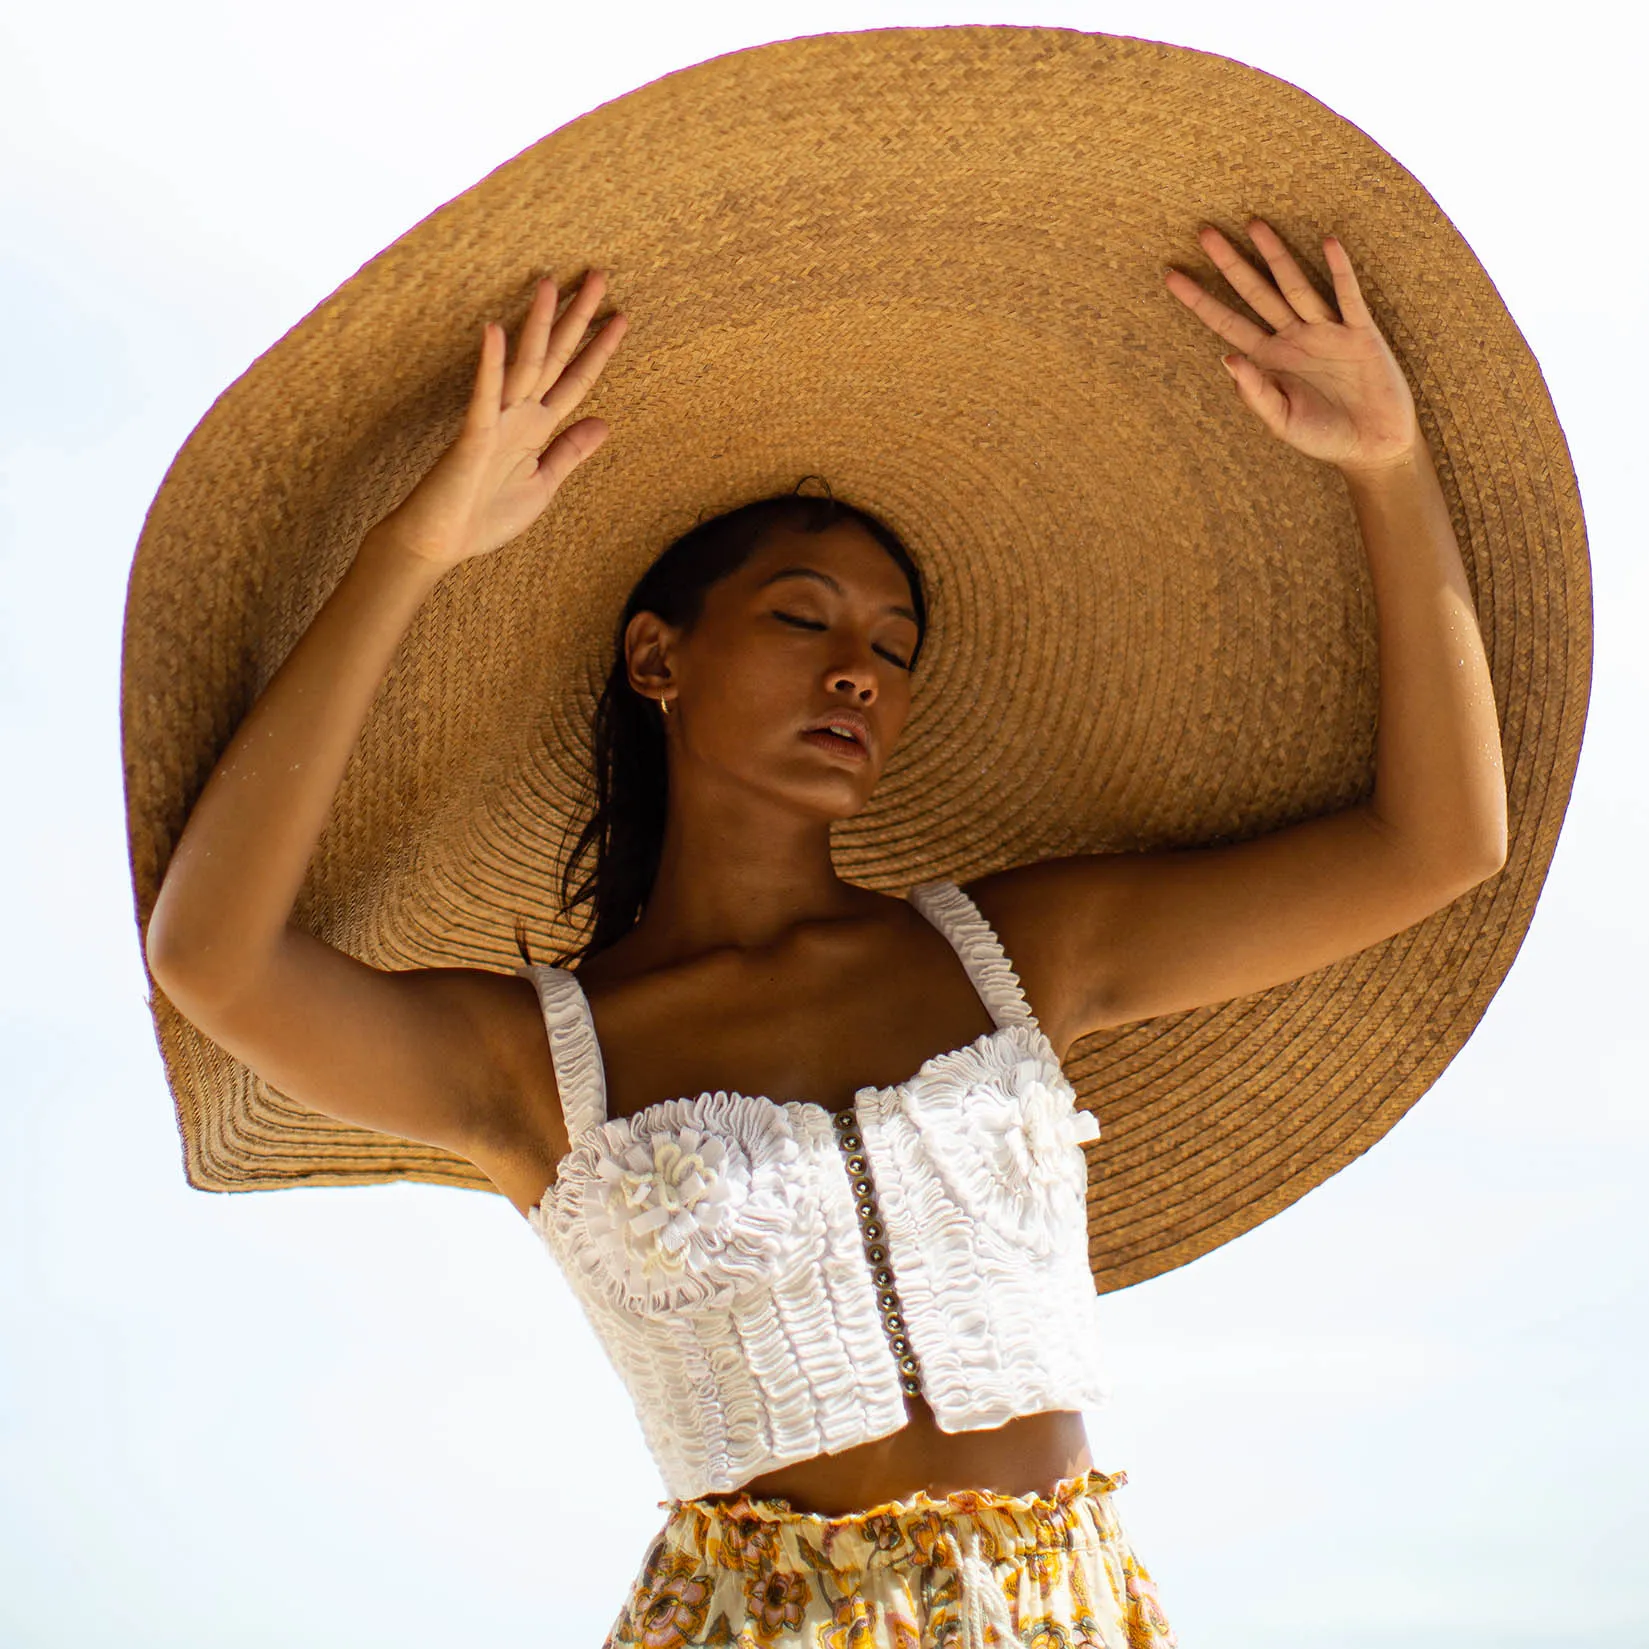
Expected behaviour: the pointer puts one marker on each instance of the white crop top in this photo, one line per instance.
(770, 1279)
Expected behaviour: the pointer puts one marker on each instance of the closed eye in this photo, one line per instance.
(814, 624)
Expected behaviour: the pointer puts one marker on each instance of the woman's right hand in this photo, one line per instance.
(454, 1057)
(498, 476)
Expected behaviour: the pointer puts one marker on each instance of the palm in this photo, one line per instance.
(1326, 384)
(526, 476)
(500, 474)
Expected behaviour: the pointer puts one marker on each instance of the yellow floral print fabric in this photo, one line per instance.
(974, 1570)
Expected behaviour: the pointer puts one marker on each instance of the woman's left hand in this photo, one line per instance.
(1327, 385)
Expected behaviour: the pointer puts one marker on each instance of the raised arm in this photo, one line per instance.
(438, 1054)
(1106, 939)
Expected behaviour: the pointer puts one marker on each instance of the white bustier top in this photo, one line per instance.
(770, 1279)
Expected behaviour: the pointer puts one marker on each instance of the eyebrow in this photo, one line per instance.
(829, 583)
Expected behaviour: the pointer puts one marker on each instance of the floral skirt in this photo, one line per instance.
(976, 1568)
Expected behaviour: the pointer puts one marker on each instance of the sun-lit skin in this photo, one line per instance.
(754, 966)
(812, 623)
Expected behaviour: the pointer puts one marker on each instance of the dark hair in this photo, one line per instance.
(614, 862)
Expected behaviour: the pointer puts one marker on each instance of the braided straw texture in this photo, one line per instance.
(926, 264)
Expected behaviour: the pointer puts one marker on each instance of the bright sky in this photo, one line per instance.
(1408, 1410)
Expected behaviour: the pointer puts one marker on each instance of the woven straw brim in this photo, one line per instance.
(927, 265)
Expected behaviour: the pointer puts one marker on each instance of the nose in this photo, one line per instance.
(856, 677)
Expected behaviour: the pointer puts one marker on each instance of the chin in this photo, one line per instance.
(832, 796)
(835, 802)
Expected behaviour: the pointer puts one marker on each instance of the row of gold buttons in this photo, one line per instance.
(875, 1237)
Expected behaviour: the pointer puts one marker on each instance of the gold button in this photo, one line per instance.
(850, 1142)
(907, 1365)
(861, 1187)
(867, 1211)
(893, 1322)
(888, 1300)
(877, 1254)
(900, 1345)
(884, 1278)
(855, 1165)
(913, 1387)
(873, 1230)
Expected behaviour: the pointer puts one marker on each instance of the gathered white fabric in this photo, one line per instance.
(717, 1244)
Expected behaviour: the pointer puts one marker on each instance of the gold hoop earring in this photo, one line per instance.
(664, 705)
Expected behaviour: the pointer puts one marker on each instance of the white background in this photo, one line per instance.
(1407, 1411)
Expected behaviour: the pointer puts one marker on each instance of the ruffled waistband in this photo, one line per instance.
(768, 1535)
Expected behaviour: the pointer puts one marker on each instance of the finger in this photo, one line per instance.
(1307, 301)
(1259, 392)
(1261, 296)
(529, 349)
(568, 450)
(569, 329)
(575, 381)
(1234, 328)
(482, 412)
(1346, 290)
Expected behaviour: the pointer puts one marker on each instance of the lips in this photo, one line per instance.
(842, 732)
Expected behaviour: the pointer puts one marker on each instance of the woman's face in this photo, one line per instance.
(814, 629)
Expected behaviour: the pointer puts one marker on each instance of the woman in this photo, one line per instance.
(777, 671)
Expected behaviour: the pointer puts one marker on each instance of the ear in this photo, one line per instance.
(649, 648)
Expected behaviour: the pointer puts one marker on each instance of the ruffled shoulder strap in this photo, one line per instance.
(574, 1051)
(975, 942)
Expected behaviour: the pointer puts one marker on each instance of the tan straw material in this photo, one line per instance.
(927, 265)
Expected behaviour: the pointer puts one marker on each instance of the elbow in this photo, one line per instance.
(158, 951)
(1493, 859)
(1468, 863)
(191, 973)
(1445, 860)
(206, 970)
(170, 961)
(1484, 852)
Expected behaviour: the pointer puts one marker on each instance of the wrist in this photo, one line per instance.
(1399, 467)
(387, 546)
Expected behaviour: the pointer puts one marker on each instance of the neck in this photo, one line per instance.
(738, 871)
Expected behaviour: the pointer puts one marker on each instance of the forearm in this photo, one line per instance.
(1440, 788)
(229, 889)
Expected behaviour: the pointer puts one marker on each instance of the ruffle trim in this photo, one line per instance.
(998, 1297)
(784, 1373)
(765, 1536)
(713, 1242)
(1002, 1132)
(574, 1051)
(686, 1206)
(775, 1510)
(975, 942)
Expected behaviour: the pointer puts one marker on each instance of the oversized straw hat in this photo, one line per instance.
(926, 265)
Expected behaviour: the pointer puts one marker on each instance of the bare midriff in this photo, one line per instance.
(1027, 1456)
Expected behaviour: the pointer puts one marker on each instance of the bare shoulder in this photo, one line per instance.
(1112, 938)
(528, 1134)
(453, 1057)
(1029, 908)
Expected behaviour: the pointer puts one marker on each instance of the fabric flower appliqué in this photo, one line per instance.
(686, 1205)
(1003, 1131)
(1038, 1132)
(665, 1189)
